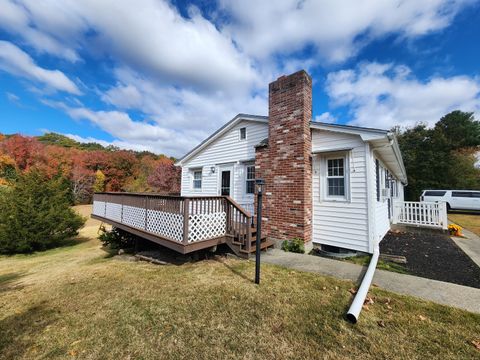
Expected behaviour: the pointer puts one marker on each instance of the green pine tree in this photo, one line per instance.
(35, 214)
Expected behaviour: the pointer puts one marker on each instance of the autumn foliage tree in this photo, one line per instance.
(23, 150)
(86, 167)
(166, 178)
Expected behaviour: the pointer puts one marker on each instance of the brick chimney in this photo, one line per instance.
(285, 162)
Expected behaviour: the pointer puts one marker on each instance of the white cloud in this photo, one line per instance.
(12, 97)
(183, 109)
(120, 144)
(17, 20)
(148, 35)
(336, 29)
(132, 134)
(17, 62)
(384, 95)
(325, 117)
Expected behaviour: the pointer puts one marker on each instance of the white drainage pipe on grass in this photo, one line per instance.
(357, 303)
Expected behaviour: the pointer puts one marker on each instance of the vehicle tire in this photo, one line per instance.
(448, 208)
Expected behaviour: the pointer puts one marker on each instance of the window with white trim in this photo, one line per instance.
(250, 179)
(336, 178)
(243, 133)
(197, 179)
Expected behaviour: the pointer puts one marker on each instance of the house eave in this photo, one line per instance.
(389, 150)
(367, 134)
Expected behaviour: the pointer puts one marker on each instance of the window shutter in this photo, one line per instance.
(377, 171)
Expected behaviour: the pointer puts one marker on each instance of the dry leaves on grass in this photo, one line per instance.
(422, 318)
(368, 301)
(352, 291)
(476, 343)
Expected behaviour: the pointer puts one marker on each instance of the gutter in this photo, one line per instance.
(398, 154)
(357, 303)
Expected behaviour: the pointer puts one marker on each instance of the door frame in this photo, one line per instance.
(222, 168)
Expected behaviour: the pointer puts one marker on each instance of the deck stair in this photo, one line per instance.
(244, 246)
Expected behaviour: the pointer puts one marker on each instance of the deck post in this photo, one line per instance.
(146, 212)
(186, 216)
(121, 201)
(228, 215)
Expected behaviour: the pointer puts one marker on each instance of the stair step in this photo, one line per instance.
(264, 245)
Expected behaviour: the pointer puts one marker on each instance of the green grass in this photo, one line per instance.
(74, 302)
(468, 221)
(382, 265)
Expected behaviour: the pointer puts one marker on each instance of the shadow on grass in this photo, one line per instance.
(74, 241)
(9, 281)
(235, 271)
(19, 331)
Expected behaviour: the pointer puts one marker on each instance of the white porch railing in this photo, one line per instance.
(423, 214)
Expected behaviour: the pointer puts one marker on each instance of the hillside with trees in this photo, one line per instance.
(86, 167)
(441, 157)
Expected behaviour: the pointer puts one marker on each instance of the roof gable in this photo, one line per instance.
(217, 134)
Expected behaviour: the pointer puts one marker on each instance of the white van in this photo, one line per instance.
(455, 199)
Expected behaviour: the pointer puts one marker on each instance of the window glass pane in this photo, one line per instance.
(250, 172)
(434, 193)
(250, 180)
(461, 194)
(250, 187)
(335, 167)
(336, 187)
(476, 194)
(340, 167)
(197, 179)
(243, 133)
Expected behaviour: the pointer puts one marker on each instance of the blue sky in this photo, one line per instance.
(161, 76)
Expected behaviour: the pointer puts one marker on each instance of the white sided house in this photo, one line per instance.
(331, 185)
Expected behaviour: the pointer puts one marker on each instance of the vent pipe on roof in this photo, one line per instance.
(357, 303)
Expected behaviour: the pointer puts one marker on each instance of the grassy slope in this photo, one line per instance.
(468, 221)
(75, 302)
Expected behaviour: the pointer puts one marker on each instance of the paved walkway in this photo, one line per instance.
(462, 297)
(470, 245)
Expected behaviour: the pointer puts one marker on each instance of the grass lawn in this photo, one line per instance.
(364, 260)
(75, 302)
(468, 221)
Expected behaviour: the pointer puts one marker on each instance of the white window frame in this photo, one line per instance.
(346, 176)
(193, 171)
(240, 133)
(246, 179)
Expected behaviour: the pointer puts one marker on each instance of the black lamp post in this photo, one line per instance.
(259, 184)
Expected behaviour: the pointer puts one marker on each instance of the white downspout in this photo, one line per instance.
(357, 303)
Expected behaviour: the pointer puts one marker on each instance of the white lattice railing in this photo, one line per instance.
(181, 219)
(423, 214)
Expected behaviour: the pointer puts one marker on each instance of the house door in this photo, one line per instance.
(225, 182)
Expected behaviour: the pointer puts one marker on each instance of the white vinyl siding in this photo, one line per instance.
(340, 223)
(382, 221)
(226, 150)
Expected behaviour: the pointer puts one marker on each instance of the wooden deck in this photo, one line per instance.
(183, 224)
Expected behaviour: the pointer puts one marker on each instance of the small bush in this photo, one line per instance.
(117, 239)
(35, 214)
(296, 245)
